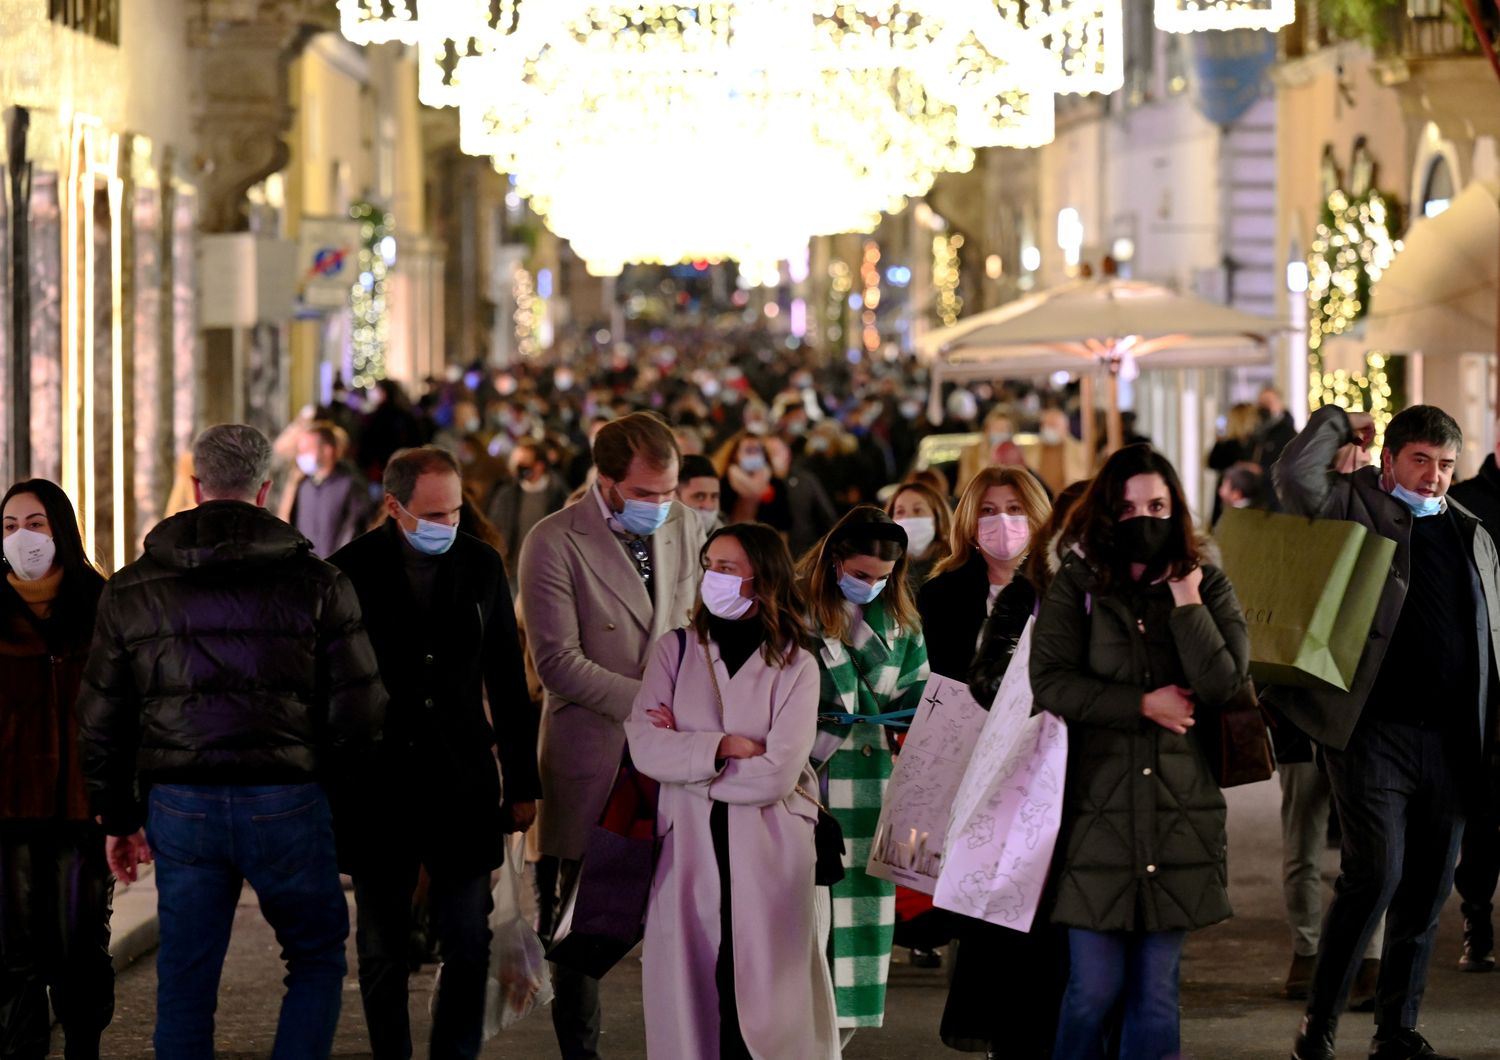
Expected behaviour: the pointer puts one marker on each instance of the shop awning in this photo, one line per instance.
(1441, 293)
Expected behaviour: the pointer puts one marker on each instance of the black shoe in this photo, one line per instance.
(921, 958)
(1479, 947)
(1314, 1039)
(1403, 1044)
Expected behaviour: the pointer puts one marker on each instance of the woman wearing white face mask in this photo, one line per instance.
(55, 888)
(1001, 508)
(873, 662)
(928, 521)
(725, 720)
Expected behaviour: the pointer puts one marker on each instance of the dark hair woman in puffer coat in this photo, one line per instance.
(55, 888)
(1136, 647)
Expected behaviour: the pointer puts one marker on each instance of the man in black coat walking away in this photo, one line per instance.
(1479, 858)
(230, 674)
(440, 616)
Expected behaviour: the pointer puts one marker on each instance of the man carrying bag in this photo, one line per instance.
(1404, 745)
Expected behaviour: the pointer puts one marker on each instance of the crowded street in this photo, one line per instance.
(749, 530)
(1231, 1003)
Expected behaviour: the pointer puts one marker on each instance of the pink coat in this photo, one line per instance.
(782, 984)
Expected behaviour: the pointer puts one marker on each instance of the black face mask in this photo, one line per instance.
(1141, 540)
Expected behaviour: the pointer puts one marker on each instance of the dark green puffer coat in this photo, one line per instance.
(1143, 843)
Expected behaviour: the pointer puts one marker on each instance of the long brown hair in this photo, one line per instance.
(864, 531)
(780, 605)
(1038, 567)
(966, 519)
(942, 515)
(1091, 524)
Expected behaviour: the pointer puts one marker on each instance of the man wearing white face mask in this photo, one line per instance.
(329, 503)
(440, 614)
(600, 583)
(1061, 459)
(698, 488)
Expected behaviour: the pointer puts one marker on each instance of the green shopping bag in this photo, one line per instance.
(1309, 588)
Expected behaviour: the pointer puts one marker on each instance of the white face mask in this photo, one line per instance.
(709, 517)
(722, 597)
(921, 531)
(307, 463)
(1051, 436)
(30, 554)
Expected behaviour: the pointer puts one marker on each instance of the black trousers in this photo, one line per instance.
(1400, 799)
(1478, 871)
(731, 1038)
(576, 1015)
(459, 909)
(55, 897)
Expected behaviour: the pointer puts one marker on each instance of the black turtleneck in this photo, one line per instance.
(738, 639)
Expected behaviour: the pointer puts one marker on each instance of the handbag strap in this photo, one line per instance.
(713, 676)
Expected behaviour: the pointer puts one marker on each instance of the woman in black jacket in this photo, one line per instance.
(1136, 647)
(55, 888)
(1034, 965)
(1000, 511)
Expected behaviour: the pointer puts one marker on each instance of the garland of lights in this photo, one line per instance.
(945, 277)
(1350, 251)
(832, 110)
(372, 314)
(869, 276)
(841, 282)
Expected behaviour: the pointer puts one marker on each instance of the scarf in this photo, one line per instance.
(38, 594)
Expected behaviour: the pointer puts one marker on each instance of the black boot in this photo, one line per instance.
(1402, 1043)
(1315, 1038)
(1479, 947)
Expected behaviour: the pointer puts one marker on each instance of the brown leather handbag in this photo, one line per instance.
(1244, 741)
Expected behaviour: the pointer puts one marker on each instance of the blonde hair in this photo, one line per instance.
(966, 519)
(942, 514)
(1242, 421)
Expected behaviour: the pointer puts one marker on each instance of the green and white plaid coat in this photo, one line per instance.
(893, 663)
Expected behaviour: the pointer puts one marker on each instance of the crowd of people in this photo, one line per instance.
(404, 630)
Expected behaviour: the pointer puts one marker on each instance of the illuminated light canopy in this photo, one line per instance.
(1196, 16)
(796, 117)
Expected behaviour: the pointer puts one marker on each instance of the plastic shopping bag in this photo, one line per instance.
(519, 981)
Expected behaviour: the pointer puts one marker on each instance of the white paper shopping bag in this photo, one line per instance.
(1008, 809)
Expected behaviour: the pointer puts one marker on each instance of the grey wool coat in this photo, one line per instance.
(1143, 845)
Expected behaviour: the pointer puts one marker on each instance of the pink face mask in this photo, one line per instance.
(1004, 537)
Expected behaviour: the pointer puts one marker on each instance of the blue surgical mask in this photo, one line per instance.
(752, 462)
(429, 538)
(1421, 507)
(860, 592)
(642, 518)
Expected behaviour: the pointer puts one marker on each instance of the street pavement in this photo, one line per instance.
(1231, 977)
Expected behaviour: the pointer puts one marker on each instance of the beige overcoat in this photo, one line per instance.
(591, 624)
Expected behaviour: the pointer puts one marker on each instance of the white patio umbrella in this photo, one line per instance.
(1106, 322)
(1439, 295)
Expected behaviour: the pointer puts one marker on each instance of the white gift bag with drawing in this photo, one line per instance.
(1008, 808)
(910, 836)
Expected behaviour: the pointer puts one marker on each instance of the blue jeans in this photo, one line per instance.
(1140, 965)
(208, 841)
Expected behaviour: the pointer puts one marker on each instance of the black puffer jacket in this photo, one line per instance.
(227, 654)
(1143, 840)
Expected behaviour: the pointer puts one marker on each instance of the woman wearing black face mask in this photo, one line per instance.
(1136, 647)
